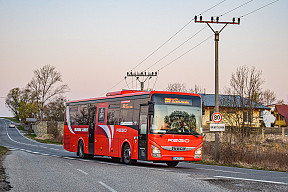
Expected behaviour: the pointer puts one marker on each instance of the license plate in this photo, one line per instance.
(178, 158)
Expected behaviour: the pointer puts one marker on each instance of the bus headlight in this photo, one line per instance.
(198, 153)
(156, 152)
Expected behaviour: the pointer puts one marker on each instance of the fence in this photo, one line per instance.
(54, 128)
(265, 134)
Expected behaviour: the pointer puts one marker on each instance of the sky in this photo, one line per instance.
(93, 43)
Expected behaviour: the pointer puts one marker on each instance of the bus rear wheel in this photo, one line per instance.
(172, 163)
(81, 153)
(126, 155)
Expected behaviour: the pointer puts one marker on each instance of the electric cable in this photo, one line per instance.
(236, 8)
(186, 52)
(258, 9)
(167, 42)
(175, 35)
(176, 48)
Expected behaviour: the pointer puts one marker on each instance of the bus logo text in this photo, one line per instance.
(179, 140)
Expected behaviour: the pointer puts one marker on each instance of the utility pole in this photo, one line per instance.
(217, 33)
(148, 75)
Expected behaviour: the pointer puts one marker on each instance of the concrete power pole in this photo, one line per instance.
(217, 33)
(148, 75)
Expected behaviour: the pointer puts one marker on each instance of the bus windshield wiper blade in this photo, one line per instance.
(165, 132)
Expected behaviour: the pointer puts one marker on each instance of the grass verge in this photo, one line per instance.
(11, 119)
(48, 141)
(237, 165)
(3, 151)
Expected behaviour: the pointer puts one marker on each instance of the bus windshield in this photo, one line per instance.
(176, 115)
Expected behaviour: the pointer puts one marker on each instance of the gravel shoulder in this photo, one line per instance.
(4, 185)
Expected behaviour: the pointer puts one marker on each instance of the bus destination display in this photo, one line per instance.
(178, 101)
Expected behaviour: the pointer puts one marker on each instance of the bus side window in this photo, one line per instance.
(126, 114)
(113, 114)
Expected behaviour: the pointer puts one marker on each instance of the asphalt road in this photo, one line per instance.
(32, 166)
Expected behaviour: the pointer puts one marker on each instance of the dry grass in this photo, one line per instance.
(250, 153)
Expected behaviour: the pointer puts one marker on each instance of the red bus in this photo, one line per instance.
(129, 125)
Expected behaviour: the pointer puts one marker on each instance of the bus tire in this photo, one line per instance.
(172, 163)
(81, 153)
(126, 155)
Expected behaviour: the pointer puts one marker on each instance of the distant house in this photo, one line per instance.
(231, 108)
(281, 114)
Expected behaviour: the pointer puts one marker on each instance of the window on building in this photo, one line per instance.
(245, 116)
(211, 113)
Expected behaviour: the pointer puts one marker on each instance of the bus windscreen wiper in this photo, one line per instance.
(165, 132)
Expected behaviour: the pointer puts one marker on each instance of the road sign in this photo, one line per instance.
(217, 127)
(217, 117)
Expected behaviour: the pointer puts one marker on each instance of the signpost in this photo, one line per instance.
(216, 126)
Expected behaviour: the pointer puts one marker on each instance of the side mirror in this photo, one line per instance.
(150, 108)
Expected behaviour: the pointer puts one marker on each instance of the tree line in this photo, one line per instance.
(42, 98)
(246, 82)
(240, 100)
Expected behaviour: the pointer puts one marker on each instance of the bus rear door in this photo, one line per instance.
(91, 135)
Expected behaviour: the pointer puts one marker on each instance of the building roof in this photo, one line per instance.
(228, 101)
(283, 110)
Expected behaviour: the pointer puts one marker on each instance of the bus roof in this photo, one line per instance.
(127, 93)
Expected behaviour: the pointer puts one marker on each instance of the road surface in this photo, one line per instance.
(33, 166)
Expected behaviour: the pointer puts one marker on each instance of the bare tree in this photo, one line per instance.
(196, 89)
(46, 85)
(268, 97)
(244, 95)
(176, 87)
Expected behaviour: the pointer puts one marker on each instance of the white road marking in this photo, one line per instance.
(28, 139)
(69, 158)
(82, 171)
(256, 180)
(108, 187)
(222, 171)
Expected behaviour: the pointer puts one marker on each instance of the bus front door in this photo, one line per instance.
(91, 136)
(143, 132)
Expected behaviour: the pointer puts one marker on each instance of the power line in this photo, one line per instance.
(168, 41)
(258, 8)
(186, 52)
(176, 48)
(192, 36)
(175, 35)
(212, 35)
(198, 31)
(236, 8)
